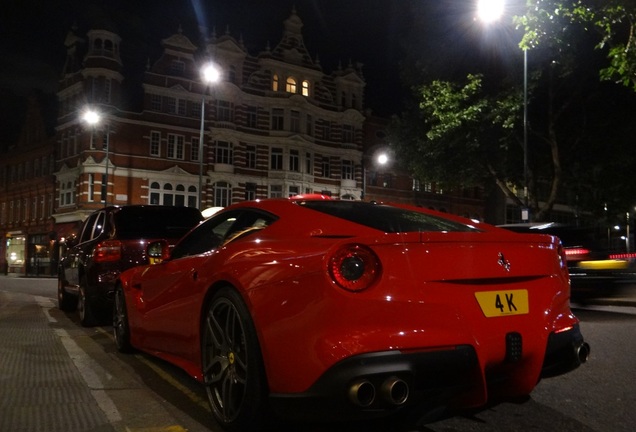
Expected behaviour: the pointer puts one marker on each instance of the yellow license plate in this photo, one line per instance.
(503, 303)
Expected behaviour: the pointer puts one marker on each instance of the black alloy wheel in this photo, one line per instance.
(233, 370)
(121, 328)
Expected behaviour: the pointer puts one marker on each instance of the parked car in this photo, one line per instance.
(112, 240)
(595, 268)
(350, 310)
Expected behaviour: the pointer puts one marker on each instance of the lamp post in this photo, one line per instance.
(93, 118)
(488, 12)
(209, 75)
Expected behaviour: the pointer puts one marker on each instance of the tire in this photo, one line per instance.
(121, 328)
(65, 302)
(84, 307)
(233, 371)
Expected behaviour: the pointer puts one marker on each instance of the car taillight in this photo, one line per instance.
(623, 256)
(576, 252)
(109, 250)
(354, 267)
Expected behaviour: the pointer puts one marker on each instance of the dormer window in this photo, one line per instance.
(177, 67)
(291, 85)
(275, 83)
(305, 88)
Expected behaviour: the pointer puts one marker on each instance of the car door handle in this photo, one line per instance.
(194, 274)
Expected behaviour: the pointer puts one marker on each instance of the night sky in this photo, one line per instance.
(383, 35)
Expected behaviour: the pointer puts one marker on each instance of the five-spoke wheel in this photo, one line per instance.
(232, 364)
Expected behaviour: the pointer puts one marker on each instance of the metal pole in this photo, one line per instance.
(525, 132)
(201, 149)
(106, 174)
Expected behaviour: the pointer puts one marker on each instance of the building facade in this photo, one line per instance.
(275, 124)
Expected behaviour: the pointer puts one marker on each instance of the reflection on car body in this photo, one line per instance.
(328, 309)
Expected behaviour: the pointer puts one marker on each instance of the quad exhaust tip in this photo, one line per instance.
(394, 391)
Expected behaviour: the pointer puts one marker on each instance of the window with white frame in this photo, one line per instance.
(91, 187)
(276, 159)
(347, 170)
(222, 194)
(291, 86)
(175, 146)
(173, 194)
(250, 156)
(326, 166)
(276, 191)
(224, 111)
(294, 121)
(155, 102)
(223, 153)
(155, 143)
(309, 166)
(278, 119)
(294, 160)
(275, 81)
(250, 191)
(347, 134)
(294, 190)
(67, 193)
(194, 149)
(251, 117)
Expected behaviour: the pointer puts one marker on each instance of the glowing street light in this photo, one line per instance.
(93, 118)
(380, 158)
(210, 74)
(489, 11)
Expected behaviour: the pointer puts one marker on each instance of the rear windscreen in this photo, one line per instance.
(155, 222)
(386, 218)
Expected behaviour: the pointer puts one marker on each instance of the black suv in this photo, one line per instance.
(112, 240)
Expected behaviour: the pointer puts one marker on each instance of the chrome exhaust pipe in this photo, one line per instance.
(395, 391)
(583, 352)
(362, 393)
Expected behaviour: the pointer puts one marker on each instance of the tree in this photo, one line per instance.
(471, 132)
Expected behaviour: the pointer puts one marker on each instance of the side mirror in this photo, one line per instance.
(158, 251)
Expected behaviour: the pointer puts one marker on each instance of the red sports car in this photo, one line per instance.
(350, 309)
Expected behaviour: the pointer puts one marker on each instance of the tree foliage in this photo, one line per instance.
(471, 132)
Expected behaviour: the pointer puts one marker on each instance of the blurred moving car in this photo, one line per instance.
(317, 308)
(112, 240)
(594, 267)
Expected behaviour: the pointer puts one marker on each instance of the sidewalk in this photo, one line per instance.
(56, 376)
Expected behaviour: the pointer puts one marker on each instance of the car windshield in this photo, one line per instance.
(386, 218)
(155, 221)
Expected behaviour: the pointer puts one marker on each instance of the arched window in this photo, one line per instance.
(305, 88)
(275, 82)
(291, 85)
(169, 194)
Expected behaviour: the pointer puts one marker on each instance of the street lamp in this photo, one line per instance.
(209, 75)
(93, 118)
(489, 11)
(379, 158)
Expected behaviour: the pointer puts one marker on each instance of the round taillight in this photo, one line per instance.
(354, 267)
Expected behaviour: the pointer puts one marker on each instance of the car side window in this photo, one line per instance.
(221, 230)
(100, 225)
(87, 232)
(206, 237)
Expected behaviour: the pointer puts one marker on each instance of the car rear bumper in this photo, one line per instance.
(379, 384)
